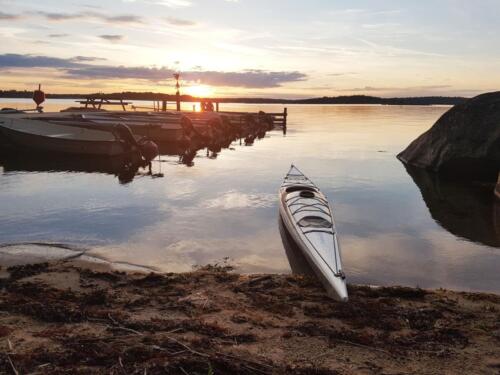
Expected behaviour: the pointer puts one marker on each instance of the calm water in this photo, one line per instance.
(395, 227)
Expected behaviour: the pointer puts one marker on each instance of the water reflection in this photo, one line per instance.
(205, 210)
(211, 147)
(298, 263)
(468, 211)
(121, 167)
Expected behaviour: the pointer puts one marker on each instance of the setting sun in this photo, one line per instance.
(200, 91)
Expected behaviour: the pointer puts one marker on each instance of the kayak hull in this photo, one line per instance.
(319, 245)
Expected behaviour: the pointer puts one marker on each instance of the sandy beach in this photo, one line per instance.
(75, 318)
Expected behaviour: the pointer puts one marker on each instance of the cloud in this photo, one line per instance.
(87, 58)
(58, 35)
(247, 79)
(79, 69)
(124, 18)
(180, 22)
(12, 60)
(167, 3)
(111, 37)
(342, 74)
(173, 3)
(358, 12)
(9, 16)
(119, 72)
(61, 16)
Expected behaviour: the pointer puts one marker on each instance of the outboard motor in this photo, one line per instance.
(149, 150)
(125, 134)
(187, 126)
(145, 147)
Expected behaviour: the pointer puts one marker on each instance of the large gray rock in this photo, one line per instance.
(464, 142)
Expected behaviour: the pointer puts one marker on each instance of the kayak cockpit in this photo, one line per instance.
(301, 188)
(316, 222)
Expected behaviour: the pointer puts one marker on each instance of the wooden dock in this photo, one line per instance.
(279, 118)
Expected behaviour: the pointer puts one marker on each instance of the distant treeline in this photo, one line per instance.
(353, 99)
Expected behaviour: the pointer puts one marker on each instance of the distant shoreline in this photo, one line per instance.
(353, 99)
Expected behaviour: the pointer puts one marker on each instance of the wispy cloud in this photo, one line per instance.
(124, 18)
(388, 50)
(173, 3)
(87, 58)
(359, 12)
(112, 37)
(61, 16)
(121, 19)
(167, 3)
(247, 79)
(9, 16)
(58, 35)
(179, 21)
(342, 74)
(13, 60)
(76, 68)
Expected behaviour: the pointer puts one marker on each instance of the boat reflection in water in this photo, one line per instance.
(298, 263)
(209, 148)
(120, 166)
(465, 210)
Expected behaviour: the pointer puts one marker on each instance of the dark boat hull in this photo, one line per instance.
(63, 146)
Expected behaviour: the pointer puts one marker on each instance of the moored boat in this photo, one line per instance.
(46, 136)
(308, 217)
(171, 129)
(175, 128)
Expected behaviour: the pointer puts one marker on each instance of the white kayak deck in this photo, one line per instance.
(308, 217)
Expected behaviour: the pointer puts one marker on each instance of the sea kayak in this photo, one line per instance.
(307, 216)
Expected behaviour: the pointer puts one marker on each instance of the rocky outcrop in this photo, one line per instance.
(464, 142)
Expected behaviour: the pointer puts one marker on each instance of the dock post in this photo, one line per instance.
(285, 114)
(177, 93)
(217, 106)
(164, 106)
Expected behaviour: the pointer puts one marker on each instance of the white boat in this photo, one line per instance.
(307, 216)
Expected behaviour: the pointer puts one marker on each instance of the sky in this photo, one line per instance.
(252, 48)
